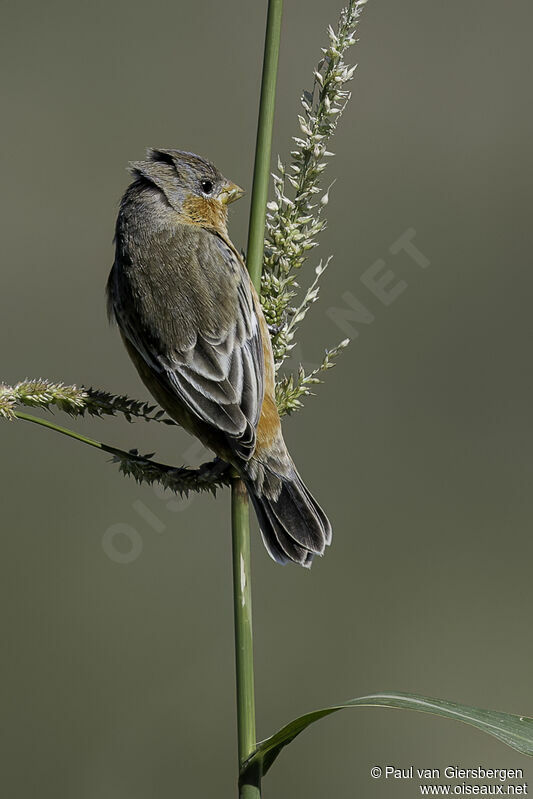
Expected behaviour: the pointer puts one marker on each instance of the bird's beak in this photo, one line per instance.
(230, 193)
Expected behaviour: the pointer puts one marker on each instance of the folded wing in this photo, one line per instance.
(199, 332)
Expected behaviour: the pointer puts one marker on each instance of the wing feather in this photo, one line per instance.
(209, 355)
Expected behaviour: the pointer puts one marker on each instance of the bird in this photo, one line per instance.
(192, 324)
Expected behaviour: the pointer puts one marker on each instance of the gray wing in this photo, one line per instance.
(195, 325)
(220, 377)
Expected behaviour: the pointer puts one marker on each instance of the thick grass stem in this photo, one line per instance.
(263, 149)
(250, 787)
(244, 663)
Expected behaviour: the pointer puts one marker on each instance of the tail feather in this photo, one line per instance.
(293, 525)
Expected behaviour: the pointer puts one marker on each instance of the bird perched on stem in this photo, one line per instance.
(193, 326)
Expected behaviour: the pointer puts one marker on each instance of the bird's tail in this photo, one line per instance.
(293, 525)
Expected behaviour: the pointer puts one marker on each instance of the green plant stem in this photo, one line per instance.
(207, 477)
(256, 232)
(250, 786)
(66, 432)
(244, 657)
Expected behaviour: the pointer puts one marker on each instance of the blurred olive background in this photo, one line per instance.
(118, 677)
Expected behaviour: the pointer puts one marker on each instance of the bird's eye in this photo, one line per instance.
(207, 186)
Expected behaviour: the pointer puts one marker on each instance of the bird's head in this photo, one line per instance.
(192, 186)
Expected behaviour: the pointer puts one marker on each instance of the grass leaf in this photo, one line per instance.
(515, 731)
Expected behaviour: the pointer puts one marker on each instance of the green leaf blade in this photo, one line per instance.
(512, 730)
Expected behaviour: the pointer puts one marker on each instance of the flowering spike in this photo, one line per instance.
(294, 222)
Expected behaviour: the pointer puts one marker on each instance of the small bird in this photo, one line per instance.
(193, 326)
